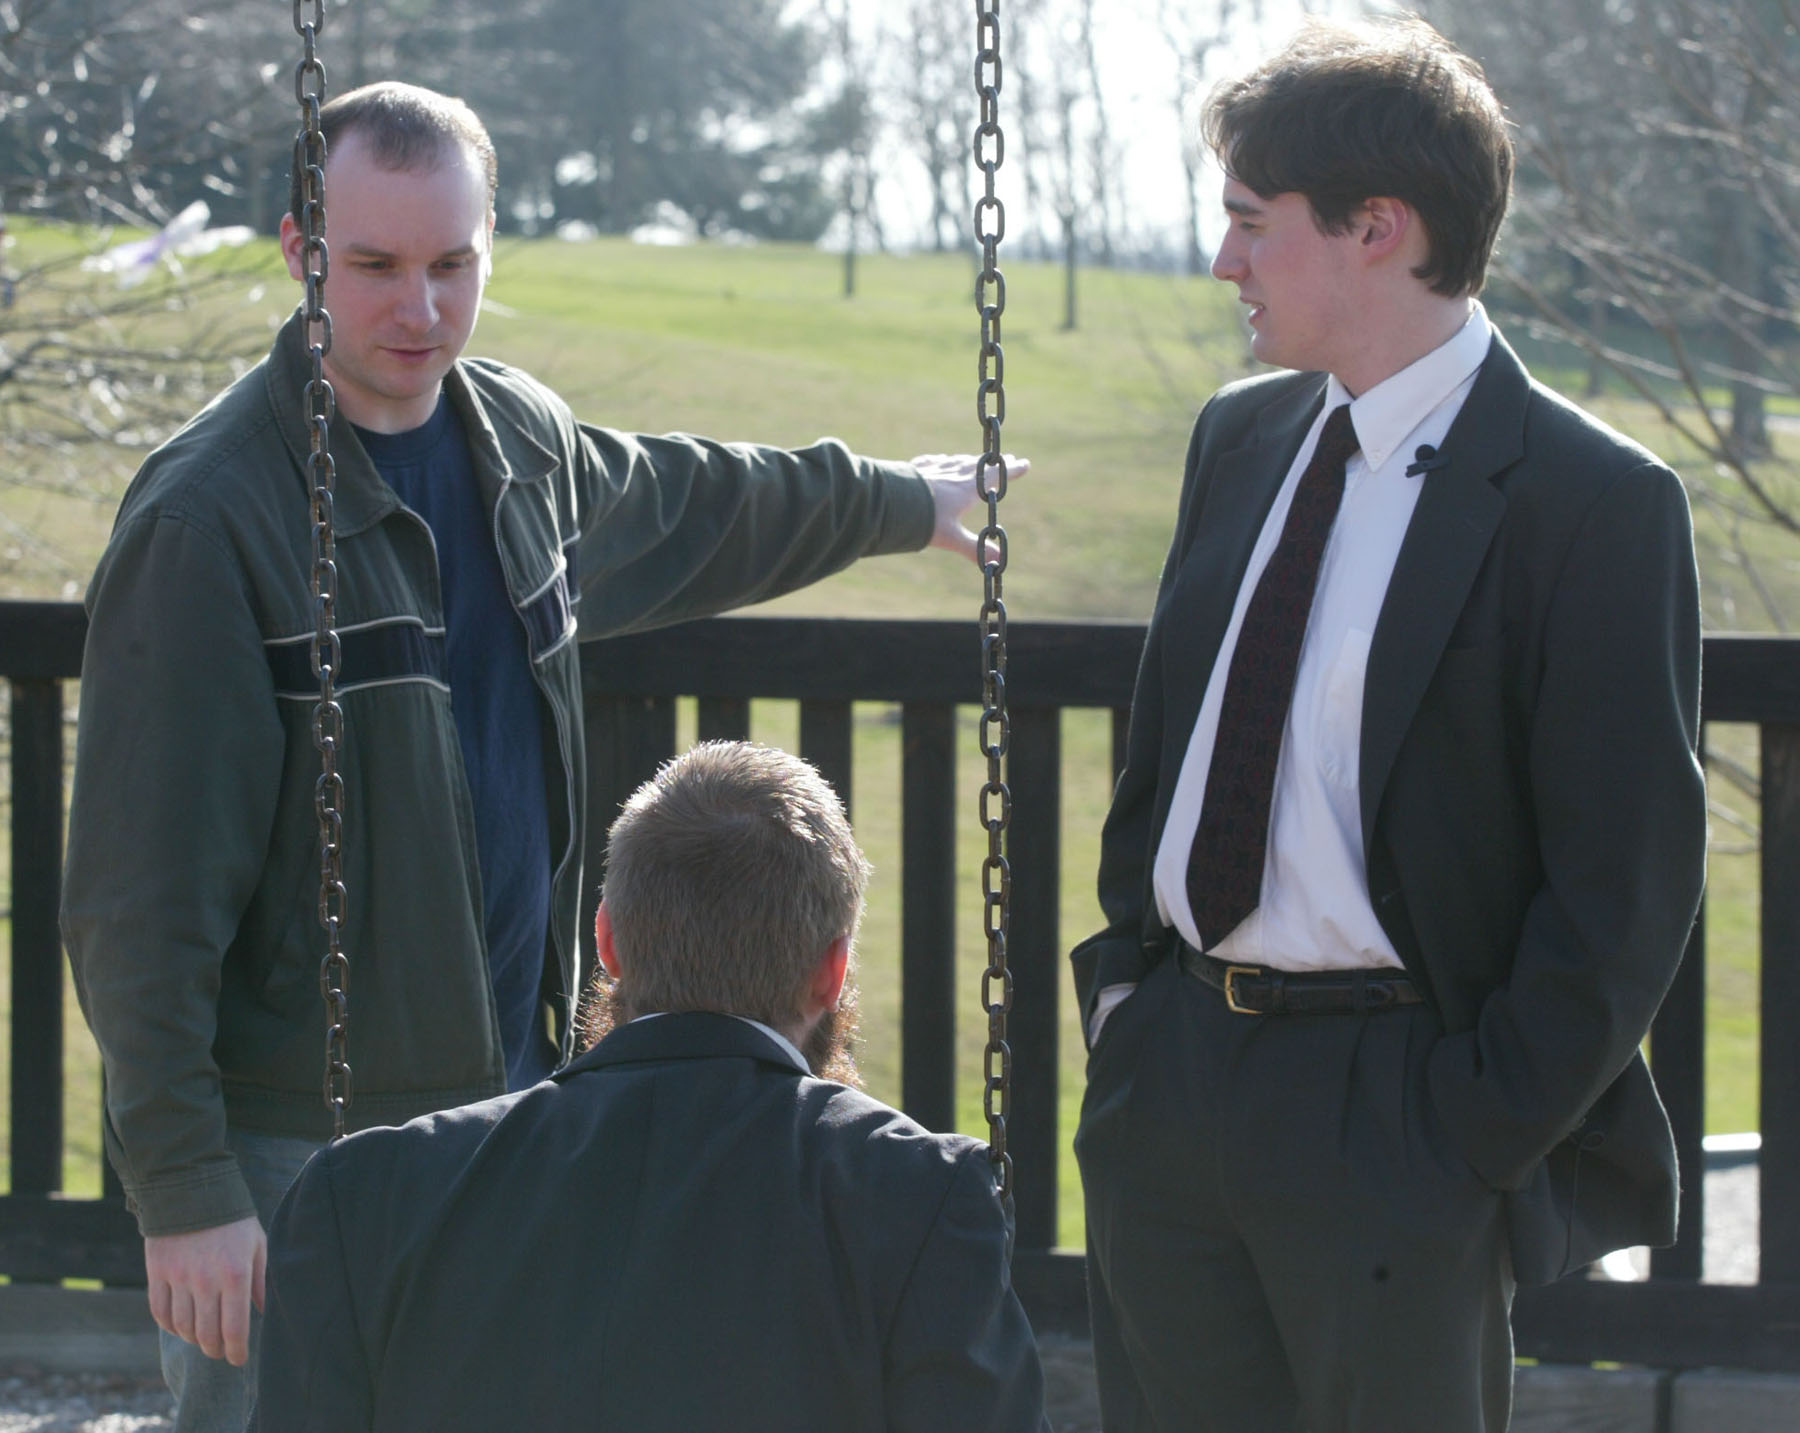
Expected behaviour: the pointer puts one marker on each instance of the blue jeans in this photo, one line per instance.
(210, 1395)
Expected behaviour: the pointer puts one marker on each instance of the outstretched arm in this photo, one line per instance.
(678, 527)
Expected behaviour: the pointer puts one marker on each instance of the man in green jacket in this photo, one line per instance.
(480, 531)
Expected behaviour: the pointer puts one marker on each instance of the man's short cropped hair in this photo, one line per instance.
(407, 128)
(1353, 112)
(728, 876)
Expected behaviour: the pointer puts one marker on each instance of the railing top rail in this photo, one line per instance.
(1049, 663)
(1747, 678)
(1752, 679)
(41, 641)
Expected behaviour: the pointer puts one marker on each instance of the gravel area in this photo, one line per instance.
(73, 1404)
(1731, 1246)
(92, 1404)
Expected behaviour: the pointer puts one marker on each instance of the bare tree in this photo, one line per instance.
(1194, 34)
(937, 108)
(846, 127)
(1050, 68)
(1657, 226)
(1102, 161)
(99, 125)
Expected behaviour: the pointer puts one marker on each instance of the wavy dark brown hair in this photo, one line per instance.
(1353, 112)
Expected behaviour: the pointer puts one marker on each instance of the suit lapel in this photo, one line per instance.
(1221, 536)
(1444, 548)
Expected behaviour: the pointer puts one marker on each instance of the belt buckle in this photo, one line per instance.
(1231, 1000)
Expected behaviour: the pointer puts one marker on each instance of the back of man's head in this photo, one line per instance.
(728, 877)
(406, 128)
(1352, 112)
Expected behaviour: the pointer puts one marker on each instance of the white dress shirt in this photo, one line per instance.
(1315, 912)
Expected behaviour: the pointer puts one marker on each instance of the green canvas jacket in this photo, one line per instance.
(191, 898)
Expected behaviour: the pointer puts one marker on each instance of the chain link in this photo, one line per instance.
(327, 655)
(990, 482)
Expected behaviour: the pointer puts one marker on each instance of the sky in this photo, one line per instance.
(1139, 76)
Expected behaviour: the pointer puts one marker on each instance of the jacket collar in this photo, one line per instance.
(501, 448)
(359, 497)
(1386, 414)
(687, 1035)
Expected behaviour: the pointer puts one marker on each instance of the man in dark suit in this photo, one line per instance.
(683, 1229)
(1411, 831)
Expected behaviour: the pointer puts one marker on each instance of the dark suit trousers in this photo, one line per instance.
(1281, 1234)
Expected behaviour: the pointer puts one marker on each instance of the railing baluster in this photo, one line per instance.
(826, 730)
(1678, 1059)
(1121, 732)
(627, 739)
(928, 990)
(724, 719)
(1780, 1156)
(37, 973)
(1034, 773)
(110, 1185)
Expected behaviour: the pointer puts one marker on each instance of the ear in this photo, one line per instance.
(826, 987)
(1386, 226)
(604, 942)
(291, 241)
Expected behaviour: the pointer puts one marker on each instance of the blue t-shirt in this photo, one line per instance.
(499, 723)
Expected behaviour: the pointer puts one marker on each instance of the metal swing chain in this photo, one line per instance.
(990, 483)
(327, 655)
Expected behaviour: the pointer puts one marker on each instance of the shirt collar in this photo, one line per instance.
(1389, 411)
(787, 1045)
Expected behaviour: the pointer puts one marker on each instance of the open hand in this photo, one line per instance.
(953, 491)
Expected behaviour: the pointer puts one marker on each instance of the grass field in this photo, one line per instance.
(756, 343)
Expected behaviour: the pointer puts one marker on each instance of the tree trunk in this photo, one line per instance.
(1197, 262)
(850, 223)
(1069, 248)
(1100, 143)
(1598, 312)
(1741, 246)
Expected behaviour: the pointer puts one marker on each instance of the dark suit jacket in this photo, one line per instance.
(681, 1231)
(1533, 813)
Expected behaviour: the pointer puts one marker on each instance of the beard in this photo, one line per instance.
(829, 1047)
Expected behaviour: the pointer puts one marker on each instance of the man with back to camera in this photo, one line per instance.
(737, 1244)
(475, 521)
(1411, 831)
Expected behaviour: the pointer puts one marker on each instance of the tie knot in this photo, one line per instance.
(1337, 440)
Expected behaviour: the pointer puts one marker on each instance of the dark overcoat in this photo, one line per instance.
(680, 1231)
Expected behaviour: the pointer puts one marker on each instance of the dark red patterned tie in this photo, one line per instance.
(1225, 867)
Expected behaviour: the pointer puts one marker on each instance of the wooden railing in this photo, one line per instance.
(929, 669)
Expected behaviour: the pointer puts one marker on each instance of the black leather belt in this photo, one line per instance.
(1259, 990)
